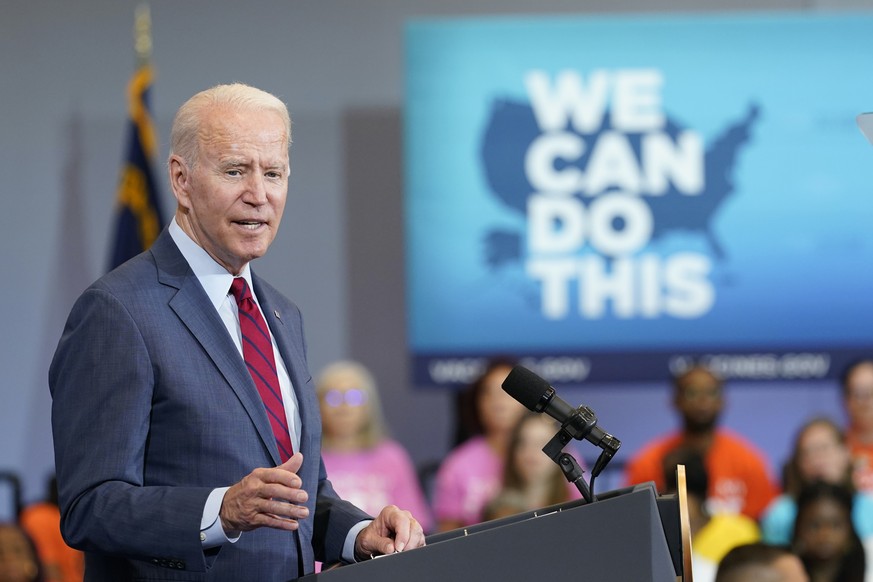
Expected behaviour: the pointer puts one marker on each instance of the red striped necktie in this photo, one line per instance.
(258, 354)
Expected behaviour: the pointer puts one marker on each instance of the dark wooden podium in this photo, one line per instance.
(627, 535)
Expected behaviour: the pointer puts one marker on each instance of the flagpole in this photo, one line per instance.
(142, 34)
(139, 219)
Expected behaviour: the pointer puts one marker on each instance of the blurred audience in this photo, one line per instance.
(470, 475)
(10, 496)
(760, 562)
(42, 522)
(857, 383)
(739, 476)
(531, 480)
(824, 537)
(820, 453)
(712, 535)
(18, 558)
(468, 421)
(364, 465)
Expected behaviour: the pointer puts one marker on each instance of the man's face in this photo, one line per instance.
(231, 201)
(699, 400)
(859, 397)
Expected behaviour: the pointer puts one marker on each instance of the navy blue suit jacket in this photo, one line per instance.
(153, 407)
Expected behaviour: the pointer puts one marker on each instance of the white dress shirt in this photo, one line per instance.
(216, 281)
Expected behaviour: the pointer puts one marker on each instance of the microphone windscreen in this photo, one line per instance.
(526, 387)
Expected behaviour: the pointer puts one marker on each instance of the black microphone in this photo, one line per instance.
(580, 423)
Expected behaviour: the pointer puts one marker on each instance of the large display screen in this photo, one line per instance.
(608, 198)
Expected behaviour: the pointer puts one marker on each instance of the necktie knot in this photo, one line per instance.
(240, 290)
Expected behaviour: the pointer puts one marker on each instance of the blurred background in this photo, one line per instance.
(339, 65)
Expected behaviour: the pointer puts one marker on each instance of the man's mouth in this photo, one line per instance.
(249, 224)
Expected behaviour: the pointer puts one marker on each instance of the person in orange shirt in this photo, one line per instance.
(740, 478)
(857, 382)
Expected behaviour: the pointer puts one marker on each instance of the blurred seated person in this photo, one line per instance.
(760, 562)
(712, 534)
(739, 476)
(471, 473)
(18, 558)
(468, 422)
(820, 453)
(824, 537)
(42, 522)
(531, 480)
(857, 383)
(365, 466)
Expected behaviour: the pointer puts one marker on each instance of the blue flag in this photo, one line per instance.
(139, 219)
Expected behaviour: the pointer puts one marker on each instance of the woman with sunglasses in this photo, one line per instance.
(363, 463)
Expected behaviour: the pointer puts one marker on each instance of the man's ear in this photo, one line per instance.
(180, 180)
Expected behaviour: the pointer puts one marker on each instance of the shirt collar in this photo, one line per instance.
(214, 278)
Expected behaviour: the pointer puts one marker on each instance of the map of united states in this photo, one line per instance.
(512, 127)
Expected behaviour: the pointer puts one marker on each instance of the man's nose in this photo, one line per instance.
(256, 190)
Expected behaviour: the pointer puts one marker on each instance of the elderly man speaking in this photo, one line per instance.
(186, 426)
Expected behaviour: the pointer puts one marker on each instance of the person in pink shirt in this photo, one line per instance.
(364, 465)
(531, 480)
(471, 473)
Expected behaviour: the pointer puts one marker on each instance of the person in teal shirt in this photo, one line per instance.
(820, 453)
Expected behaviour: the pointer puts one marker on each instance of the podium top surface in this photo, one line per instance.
(618, 538)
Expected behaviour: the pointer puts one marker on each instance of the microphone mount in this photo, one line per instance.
(581, 424)
(567, 463)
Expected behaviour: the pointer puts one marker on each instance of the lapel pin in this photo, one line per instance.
(276, 313)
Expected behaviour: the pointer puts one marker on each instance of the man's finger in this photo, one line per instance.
(293, 464)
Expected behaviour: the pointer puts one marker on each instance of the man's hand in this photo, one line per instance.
(266, 498)
(393, 530)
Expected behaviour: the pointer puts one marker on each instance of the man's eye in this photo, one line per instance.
(233, 173)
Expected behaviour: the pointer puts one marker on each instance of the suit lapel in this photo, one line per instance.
(192, 306)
